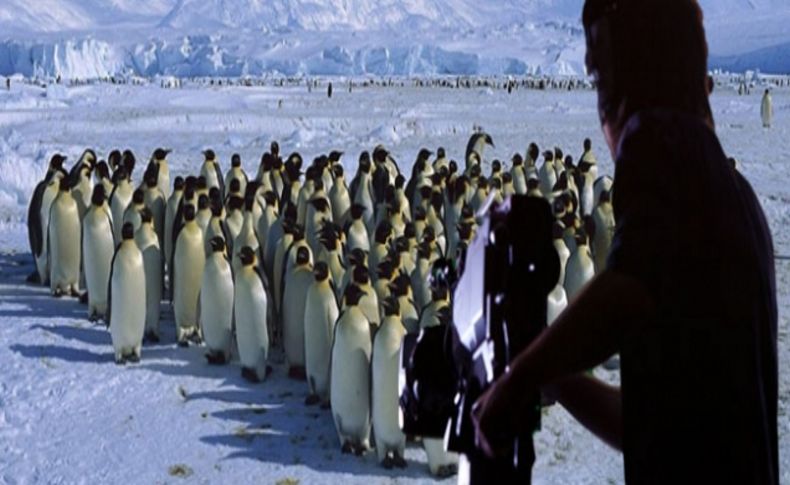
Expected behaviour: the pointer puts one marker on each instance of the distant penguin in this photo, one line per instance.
(216, 303)
(297, 283)
(249, 309)
(390, 440)
(211, 172)
(127, 299)
(189, 258)
(236, 172)
(38, 217)
(604, 231)
(64, 243)
(580, 268)
(320, 314)
(350, 375)
(148, 244)
(120, 198)
(98, 248)
(766, 109)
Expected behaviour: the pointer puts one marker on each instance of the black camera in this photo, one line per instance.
(499, 286)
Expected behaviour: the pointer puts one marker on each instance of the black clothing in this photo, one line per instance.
(699, 377)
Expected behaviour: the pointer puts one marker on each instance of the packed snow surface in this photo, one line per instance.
(68, 414)
(100, 38)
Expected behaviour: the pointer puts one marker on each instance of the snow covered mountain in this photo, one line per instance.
(94, 38)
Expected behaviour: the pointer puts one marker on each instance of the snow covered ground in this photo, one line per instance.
(69, 415)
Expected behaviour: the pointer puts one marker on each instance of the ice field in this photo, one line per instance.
(68, 414)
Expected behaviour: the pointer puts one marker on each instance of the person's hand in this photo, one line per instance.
(496, 418)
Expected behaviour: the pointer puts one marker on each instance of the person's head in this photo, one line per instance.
(646, 54)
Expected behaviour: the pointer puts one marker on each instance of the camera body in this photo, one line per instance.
(498, 307)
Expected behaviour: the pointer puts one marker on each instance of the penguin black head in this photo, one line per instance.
(402, 244)
(203, 202)
(320, 204)
(400, 182)
(440, 153)
(235, 203)
(496, 184)
(429, 235)
(507, 178)
(569, 162)
(409, 231)
(580, 237)
(424, 250)
(103, 170)
(235, 186)
(517, 160)
(558, 207)
(290, 212)
(128, 161)
(338, 170)
(380, 154)
(267, 161)
(217, 244)
(138, 197)
(383, 232)
(247, 256)
(364, 162)
(419, 213)
(353, 294)
(114, 159)
(360, 275)
(533, 152)
(161, 153)
(216, 208)
(146, 215)
(437, 199)
(298, 232)
(321, 271)
(475, 171)
(127, 231)
(201, 183)
(214, 194)
(496, 167)
(335, 156)
(235, 160)
(587, 144)
(178, 184)
(318, 184)
(270, 198)
(605, 197)
(424, 155)
(274, 148)
(384, 270)
(391, 307)
(562, 183)
(357, 257)
(209, 155)
(151, 178)
(425, 192)
(120, 174)
(302, 256)
(189, 212)
(98, 196)
(482, 184)
(584, 167)
(465, 231)
(56, 162)
(453, 167)
(558, 155)
(89, 157)
(357, 211)
(533, 184)
(548, 155)
(321, 162)
(295, 160)
(400, 286)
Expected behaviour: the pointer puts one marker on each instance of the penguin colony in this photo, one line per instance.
(330, 274)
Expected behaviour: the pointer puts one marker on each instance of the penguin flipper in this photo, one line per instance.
(109, 287)
(34, 231)
(220, 179)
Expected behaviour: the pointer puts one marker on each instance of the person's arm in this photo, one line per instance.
(585, 334)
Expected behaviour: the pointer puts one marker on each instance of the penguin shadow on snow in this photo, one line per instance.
(61, 352)
(271, 423)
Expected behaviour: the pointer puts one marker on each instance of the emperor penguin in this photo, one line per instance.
(331, 253)
(588, 158)
(127, 299)
(133, 210)
(318, 214)
(38, 217)
(102, 175)
(350, 375)
(390, 440)
(519, 175)
(82, 188)
(363, 195)
(320, 314)
(159, 157)
(476, 147)
(766, 109)
(246, 236)
(603, 184)
(558, 232)
(249, 310)
(604, 231)
(211, 172)
(189, 259)
(170, 216)
(216, 303)
(421, 290)
(236, 172)
(203, 214)
(558, 298)
(357, 231)
(216, 228)
(400, 289)
(120, 198)
(441, 160)
(64, 238)
(297, 283)
(339, 196)
(155, 200)
(369, 302)
(148, 244)
(98, 248)
(580, 268)
(547, 174)
(305, 194)
(270, 215)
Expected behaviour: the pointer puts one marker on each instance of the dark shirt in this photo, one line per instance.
(699, 376)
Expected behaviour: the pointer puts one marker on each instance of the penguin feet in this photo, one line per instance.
(195, 338)
(399, 461)
(387, 463)
(119, 360)
(359, 449)
(297, 372)
(93, 317)
(216, 358)
(250, 375)
(84, 298)
(134, 358)
(446, 471)
(33, 278)
(58, 293)
(347, 448)
(75, 293)
(312, 400)
(151, 337)
(183, 343)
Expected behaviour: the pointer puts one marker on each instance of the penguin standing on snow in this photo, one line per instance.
(766, 109)
(604, 231)
(216, 303)
(249, 309)
(350, 375)
(211, 171)
(36, 224)
(189, 258)
(148, 244)
(98, 248)
(120, 198)
(170, 217)
(236, 172)
(64, 238)
(320, 314)
(159, 158)
(390, 440)
(127, 299)
(297, 283)
(581, 267)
